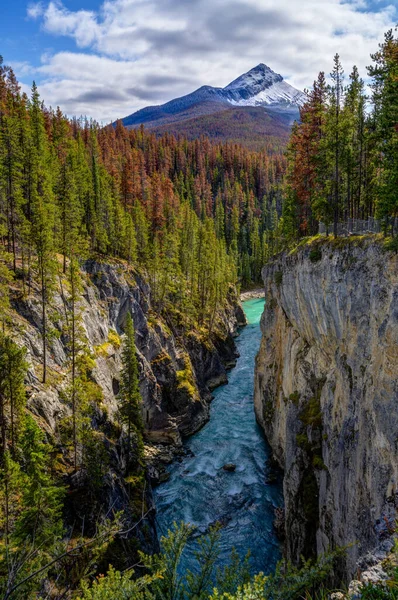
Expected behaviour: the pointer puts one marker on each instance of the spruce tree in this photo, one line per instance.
(13, 368)
(43, 217)
(335, 134)
(385, 100)
(129, 396)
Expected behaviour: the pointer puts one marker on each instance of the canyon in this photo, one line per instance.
(178, 369)
(326, 392)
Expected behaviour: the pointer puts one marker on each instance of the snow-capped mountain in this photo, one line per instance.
(260, 87)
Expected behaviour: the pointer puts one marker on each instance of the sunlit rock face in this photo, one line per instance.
(326, 393)
(178, 369)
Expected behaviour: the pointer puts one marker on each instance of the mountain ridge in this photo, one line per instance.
(259, 87)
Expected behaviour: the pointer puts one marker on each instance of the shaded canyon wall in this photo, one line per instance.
(326, 393)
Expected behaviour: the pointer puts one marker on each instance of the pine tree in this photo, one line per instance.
(11, 179)
(385, 99)
(13, 368)
(43, 217)
(41, 515)
(129, 397)
(335, 135)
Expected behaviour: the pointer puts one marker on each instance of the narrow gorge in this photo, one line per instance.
(178, 368)
(326, 392)
(227, 477)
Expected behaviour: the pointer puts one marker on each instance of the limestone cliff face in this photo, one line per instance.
(177, 367)
(326, 393)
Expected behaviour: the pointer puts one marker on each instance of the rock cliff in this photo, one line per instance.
(326, 393)
(178, 368)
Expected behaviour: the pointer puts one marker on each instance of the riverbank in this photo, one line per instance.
(252, 294)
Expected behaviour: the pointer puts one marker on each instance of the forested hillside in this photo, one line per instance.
(107, 218)
(130, 194)
(253, 127)
(91, 217)
(343, 155)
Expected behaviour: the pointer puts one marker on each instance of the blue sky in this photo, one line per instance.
(107, 59)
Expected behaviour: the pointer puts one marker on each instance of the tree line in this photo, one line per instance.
(342, 158)
(193, 217)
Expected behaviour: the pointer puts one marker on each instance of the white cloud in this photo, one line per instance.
(35, 10)
(138, 52)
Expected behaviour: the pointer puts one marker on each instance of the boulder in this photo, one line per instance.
(229, 467)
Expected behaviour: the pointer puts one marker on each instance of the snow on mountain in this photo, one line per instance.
(255, 80)
(262, 86)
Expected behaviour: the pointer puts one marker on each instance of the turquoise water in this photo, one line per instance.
(200, 492)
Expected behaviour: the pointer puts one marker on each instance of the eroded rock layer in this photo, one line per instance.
(326, 393)
(178, 366)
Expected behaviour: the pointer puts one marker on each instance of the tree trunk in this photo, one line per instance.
(44, 333)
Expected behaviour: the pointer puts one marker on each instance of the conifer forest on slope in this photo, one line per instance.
(195, 218)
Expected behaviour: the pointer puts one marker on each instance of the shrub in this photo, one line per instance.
(114, 338)
(273, 303)
(315, 255)
(295, 397)
(374, 591)
(391, 244)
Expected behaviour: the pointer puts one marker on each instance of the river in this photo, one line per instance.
(201, 492)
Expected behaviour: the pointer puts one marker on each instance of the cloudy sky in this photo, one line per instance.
(106, 60)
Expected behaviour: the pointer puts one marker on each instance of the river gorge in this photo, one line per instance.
(243, 501)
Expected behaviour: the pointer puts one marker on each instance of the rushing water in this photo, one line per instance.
(201, 492)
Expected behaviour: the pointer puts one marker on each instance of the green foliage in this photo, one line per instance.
(186, 381)
(295, 397)
(95, 458)
(166, 581)
(129, 396)
(31, 508)
(42, 500)
(315, 255)
(235, 574)
(114, 339)
(118, 586)
(312, 413)
(384, 72)
(199, 583)
(13, 369)
(342, 157)
(373, 591)
(391, 244)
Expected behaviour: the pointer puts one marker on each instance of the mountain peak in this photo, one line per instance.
(262, 67)
(260, 86)
(256, 80)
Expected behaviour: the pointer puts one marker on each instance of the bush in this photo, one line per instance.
(374, 591)
(166, 579)
(315, 255)
(391, 244)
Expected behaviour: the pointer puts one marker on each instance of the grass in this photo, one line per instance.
(186, 380)
(311, 413)
(316, 242)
